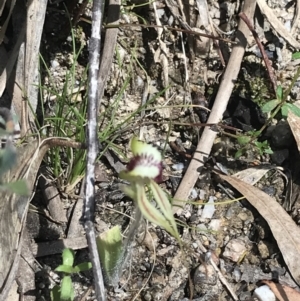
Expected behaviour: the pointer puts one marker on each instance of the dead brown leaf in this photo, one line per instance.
(284, 230)
(282, 292)
(253, 174)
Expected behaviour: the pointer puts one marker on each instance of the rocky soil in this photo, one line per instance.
(186, 71)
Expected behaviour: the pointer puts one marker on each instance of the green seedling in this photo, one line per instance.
(251, 138)
(263, 147)
(280, 103)
(65, 291)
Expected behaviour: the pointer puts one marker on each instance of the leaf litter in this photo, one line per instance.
(284, 229)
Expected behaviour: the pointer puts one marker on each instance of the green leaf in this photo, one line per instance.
(66, 289)
(19, 187)
(279, 93)
(296, 56)
(111, 251)
(65, 269)
(243, 140)
(284, 110)
(270, 105)
(268, 151)
(55, 293)
(295, 109)
(239, 153)
(264, 147)
(84, 266)
(68, 257)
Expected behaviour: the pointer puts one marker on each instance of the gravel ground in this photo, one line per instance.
(234, 234)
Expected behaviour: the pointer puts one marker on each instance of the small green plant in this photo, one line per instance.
(67, 120)
(251, 138)
(281, 105)
(65, 291)
(263, 147)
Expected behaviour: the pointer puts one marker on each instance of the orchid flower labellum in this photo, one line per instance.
(145, 168)
(146, 163)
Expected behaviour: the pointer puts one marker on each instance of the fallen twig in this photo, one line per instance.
(92, 151)
(262, 51)
(109, 45)
(220, 104)
(296, 17)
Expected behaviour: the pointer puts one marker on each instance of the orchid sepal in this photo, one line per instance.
(150, 212)
(165, 206)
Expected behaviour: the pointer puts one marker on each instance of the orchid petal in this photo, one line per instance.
(150, 212)
(164, 205)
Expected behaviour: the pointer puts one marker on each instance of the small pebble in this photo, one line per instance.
(139, 81)
(230, 212)
(201, 227)
(214, 224)
(160, 12)
(209, 208)
(178, 166)
(205, 274)
(243, 216)
(54, 64)
(263, 250)
(236, 274)
(195, 245)
(202, 194)
(264, 293)
(235, 249)
(194, 194)
(288, 25)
